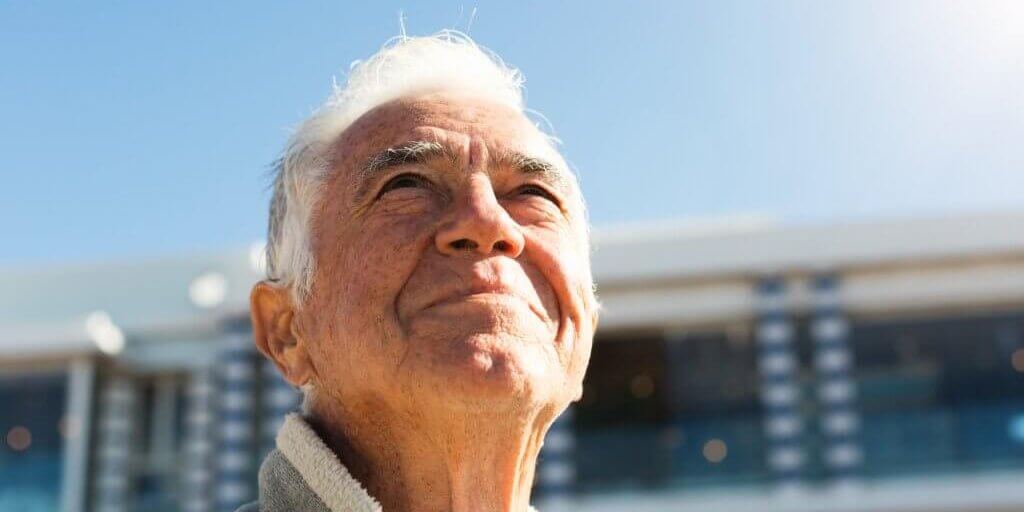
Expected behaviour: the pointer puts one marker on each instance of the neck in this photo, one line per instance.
(451, 462)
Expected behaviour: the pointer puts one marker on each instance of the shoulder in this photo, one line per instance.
(250, 507)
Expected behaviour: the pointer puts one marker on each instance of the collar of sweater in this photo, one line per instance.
(322, 470)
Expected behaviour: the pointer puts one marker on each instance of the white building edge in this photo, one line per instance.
(179, 314)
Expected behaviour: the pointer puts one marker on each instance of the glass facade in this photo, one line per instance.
(942, 394)
(715, 406)
(670, 411)
(32, 427)
(938, 394)
(622, 421)
(161, 428)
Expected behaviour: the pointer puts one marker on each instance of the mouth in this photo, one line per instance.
(486, 298)
(475, 297)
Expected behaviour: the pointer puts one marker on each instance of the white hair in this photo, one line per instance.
(404, 66)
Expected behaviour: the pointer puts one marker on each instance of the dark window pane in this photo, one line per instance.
(660, 412)
(30, 441)
(942, 394)
(714, 402)
(622, 411)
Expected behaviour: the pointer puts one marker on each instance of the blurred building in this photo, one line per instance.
(856, 367)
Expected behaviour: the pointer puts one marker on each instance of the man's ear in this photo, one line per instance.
(272, 313)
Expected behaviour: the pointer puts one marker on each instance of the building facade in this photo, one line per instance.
(868, 366)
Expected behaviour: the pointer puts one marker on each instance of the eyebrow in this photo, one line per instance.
(421, 152)
(415, 152)
(533, 166)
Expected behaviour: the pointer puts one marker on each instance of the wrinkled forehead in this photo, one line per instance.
(448, 118)
(451, 120)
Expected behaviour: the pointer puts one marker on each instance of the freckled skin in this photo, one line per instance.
(376, 270)
(443, 406)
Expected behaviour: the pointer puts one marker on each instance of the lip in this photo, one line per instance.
(475, 296)
(485, 291)
(478, 290)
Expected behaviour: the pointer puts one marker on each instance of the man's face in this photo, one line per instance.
(452, 262)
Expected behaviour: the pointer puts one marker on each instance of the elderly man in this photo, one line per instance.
(429, 289)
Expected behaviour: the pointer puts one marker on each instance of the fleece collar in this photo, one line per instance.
(321, 469)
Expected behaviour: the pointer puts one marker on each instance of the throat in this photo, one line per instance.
(456, 466)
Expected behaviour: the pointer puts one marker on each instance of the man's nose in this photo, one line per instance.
(480, 224)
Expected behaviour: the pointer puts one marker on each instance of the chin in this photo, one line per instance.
(489, 373)
(492, 357)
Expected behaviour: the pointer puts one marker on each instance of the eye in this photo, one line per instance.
(536, 190)
(407, 180)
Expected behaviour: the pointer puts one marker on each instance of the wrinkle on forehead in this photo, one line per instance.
(439, 117)
(457, 123)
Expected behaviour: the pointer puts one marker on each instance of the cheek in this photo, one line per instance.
(357, 281)
(380, 259)
(540, 283)
(559, 258)
(364, 269)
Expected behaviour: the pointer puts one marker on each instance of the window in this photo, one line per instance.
(715, 406)
(622, 418)
(162, 430)
(671, 411)
(941, 394)
(32, 427)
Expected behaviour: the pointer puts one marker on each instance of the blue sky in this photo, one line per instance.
(133, 130)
